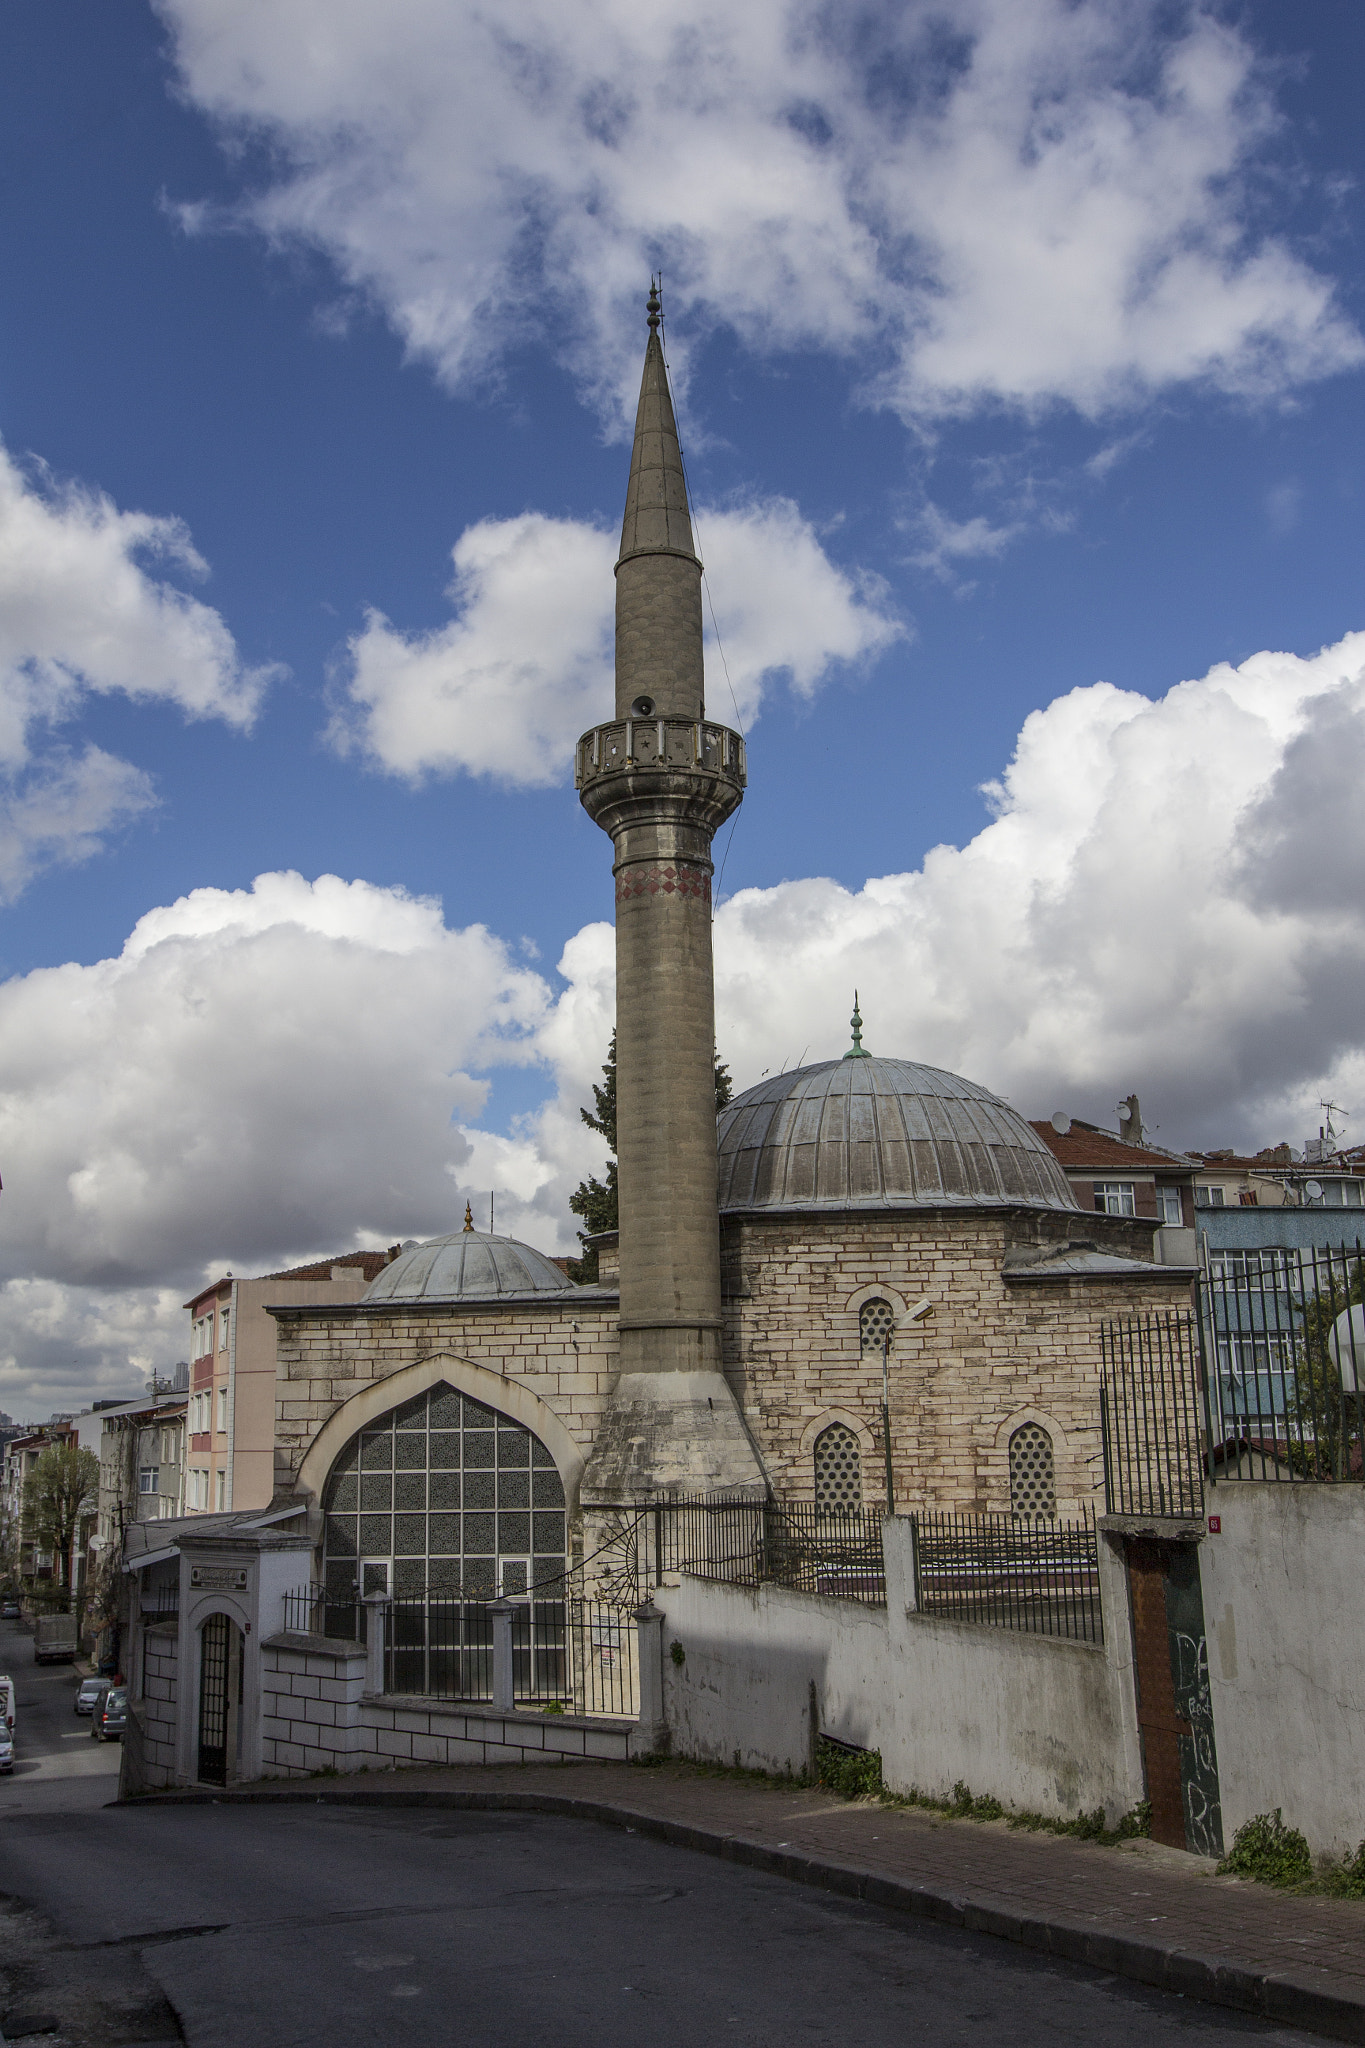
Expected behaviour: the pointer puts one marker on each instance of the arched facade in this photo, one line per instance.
(442, 1494)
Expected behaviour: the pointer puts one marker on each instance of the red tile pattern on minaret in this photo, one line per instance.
(680, 878)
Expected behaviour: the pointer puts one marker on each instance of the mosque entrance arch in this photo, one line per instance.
(441, 1497)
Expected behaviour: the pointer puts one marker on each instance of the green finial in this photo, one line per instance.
(857, 1051)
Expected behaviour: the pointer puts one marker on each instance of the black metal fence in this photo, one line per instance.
(833, 1551)
(1282, 1344)
(1009, 1571)
(1150, 1414)
(309, 1611)
(574, 1654)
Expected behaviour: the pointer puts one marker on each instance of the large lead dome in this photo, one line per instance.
(469, 1265)
(868, 1133)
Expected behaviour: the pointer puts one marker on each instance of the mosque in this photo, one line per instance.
(857, 1224)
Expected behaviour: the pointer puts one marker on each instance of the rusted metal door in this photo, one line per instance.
(1175, 1710)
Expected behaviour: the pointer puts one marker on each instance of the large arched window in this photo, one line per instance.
(442, 1496)
(838, 1469)
(1033, 1479)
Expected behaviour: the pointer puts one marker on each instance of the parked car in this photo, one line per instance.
(10, 1610)
(89, 1691)
(110, 1717)
(6, 1752)
(6, 1705)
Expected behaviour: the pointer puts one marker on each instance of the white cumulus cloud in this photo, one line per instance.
(505, 688)
(82, 610)
(991, 201)
(1167, 897)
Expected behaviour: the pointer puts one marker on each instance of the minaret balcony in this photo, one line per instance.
(630, 746)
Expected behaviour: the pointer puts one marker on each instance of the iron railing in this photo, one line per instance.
(1010, 1571)
(311, 1611)
(575, 1654)
(1150, 1414)
(1282, 1347)
(832, 1551)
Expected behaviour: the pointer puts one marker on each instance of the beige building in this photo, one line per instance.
(229, 1460)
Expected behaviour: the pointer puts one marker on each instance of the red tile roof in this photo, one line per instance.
(1082, 1147)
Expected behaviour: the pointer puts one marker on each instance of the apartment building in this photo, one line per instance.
(230, 1454)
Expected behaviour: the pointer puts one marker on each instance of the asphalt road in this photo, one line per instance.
(303, 1925)
(56, 1765)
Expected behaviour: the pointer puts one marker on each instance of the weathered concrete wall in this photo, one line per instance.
(994, 1351)
(1284, 1613)
(1041, 1724)
(317, 1716)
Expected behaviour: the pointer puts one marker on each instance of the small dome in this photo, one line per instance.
(868, 1133)
(469, 1265)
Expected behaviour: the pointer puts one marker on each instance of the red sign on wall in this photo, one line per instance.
(1215, 1525)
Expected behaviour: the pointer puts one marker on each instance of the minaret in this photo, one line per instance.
(660, 780)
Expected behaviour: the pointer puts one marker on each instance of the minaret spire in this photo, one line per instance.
(658, 574)
(660, 780)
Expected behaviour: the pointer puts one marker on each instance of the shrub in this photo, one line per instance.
(852, 1772)
(1264, 1848)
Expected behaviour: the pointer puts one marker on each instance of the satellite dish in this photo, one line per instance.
(1061, 1122)
(1346, 1342)
(1313, 1190)
(1125, 1112)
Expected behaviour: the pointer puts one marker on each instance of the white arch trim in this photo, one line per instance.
(818, 1424)
(1045, 1421)
(508, 1397)
(878, 1293)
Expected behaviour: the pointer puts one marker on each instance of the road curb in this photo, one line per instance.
(1282, 1997)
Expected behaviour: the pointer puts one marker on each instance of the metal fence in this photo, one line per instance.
(1009, 1571)
(834, 1551)
(1282, 1345)
(576, 1654)
(1150, 1414)
(309, 1611)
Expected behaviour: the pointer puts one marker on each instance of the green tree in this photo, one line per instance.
(596, 1200)
(62, 1488)
(1324, 1441)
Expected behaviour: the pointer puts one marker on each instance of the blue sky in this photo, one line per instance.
(1018, 351)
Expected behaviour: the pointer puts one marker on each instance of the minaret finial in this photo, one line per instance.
(857, 1051)
(655, 308)
(468, 1217)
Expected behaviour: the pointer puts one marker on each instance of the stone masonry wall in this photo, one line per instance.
(160, 1655)
(316, 1716)
(322, 1361)
(992, 1353)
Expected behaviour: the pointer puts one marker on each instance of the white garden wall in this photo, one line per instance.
(1040, 1724)
(1284, 1613)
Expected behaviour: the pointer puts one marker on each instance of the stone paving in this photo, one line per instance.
(1147, 1912)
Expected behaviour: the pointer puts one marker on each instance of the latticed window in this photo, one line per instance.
(1033, 1479)
(441, 1496)
(838, 1469)
(876, 1321)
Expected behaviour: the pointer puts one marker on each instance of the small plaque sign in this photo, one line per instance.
(219, 1577)
(1215, 1525)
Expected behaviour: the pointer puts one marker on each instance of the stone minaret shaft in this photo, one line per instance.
(660, 780)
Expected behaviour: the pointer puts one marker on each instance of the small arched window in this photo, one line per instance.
(876, 1321)
(1033, 1478)
(838, 1469)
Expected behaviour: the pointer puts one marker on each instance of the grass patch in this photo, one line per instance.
(854, 1773)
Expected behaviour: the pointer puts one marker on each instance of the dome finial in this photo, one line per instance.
(468, 1217)
(857, 1051)
(655, 308)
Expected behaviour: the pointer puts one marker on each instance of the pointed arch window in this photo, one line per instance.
(838, 1469)
(876, 1321)
(1033, 1478)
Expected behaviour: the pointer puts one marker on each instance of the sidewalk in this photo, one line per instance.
(1139, 1910)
